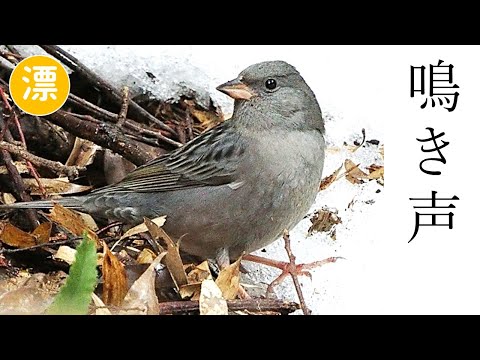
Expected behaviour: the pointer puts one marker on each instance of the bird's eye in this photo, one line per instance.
(270, 84)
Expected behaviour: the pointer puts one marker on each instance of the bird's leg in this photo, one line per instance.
(289, 268)
(223, 260)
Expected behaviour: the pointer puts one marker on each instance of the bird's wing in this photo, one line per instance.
(210, 159)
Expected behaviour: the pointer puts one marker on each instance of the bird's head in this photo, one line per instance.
(273, 93)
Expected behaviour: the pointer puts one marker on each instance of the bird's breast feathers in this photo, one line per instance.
(289, 159)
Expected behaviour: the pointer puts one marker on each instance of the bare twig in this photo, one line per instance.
(130, 124)
(98, 82)
(364, 137)
(12, 57)
(17, 182)
(122, 115)
(189, 125)
(143, 139)
(19, 187)
(303, 305)
(108, 227)
(4, 84)
(91, 108)
(13, 50)
(250, 305)
(30, 166)
(184, 126)
(47, 244)
(71, 171)
(102, 134)
(112, 117)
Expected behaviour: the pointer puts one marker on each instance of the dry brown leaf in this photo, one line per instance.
(8, 198)
(373, 167)
(42, 232)
(323, 221)
(60, 186)
(88, 220)
(195, 277)
(333, 149)
(329, 180)
(115, 167)
(141, 298)
(138, 242)
(72, 221)
(172, 260)
(65, 253)
(25, 301)
(228, 280)
(198, 273)
(20, 165)
(114, 279)
(353, 173)
(13, 236)
(211, 301)
(100, 307)
(376, 172)
(208, 119)
(146, 256)
(29, 295)
(82, 154)
(159, 221)
(190, 291)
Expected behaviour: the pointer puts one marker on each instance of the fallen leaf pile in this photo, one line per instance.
(27, 293)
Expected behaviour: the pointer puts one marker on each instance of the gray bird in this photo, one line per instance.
(236, 187)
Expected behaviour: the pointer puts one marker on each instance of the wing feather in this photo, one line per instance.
(210, 159)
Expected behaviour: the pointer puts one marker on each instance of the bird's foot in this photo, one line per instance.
(288, 268)
(292, 269)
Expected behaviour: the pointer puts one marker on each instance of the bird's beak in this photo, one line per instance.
(237, 89)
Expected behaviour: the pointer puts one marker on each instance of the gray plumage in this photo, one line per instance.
(236, 187)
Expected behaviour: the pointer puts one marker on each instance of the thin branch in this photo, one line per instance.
(102, 134)
(112, 117)
(33, 247)
(71, 171)
(184, 126)
(303, 305)
(108, 227)
(30, 166)
(19, 187)
(189, 125)
(122, 115)
(17, 181)
(250, 305)
(8, 54)
(95, 80)
(16, 54)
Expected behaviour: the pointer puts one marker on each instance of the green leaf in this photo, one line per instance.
(75, 295)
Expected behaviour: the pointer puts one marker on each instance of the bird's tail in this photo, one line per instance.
(68, 202)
